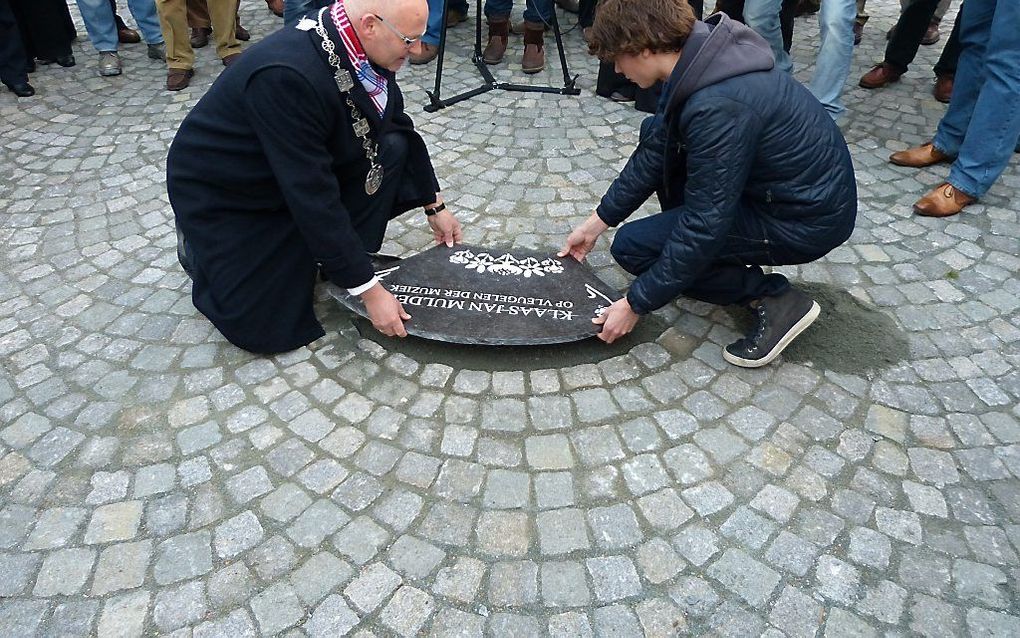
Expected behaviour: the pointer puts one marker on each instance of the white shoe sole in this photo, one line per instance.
(793, 333)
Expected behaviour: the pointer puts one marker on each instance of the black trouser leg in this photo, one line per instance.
(734, 276)
(371, 213)
(12, 53)
(951, 52)
(909, 30)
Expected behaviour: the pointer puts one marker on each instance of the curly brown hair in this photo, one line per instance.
(628, 27)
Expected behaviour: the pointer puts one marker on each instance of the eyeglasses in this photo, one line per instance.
(408, 42)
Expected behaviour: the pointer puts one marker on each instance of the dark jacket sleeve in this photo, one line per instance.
(640, 177)
(292, 124)
(721, 146)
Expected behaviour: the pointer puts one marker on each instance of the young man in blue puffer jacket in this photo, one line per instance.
(749, 168)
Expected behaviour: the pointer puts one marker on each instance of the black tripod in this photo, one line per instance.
(490, 83)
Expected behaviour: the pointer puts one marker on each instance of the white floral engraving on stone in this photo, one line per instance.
(592, 294)
(507, 264)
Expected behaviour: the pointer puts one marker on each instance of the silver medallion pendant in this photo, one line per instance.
(374, 179)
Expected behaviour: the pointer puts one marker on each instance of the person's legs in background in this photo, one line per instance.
(903, 45)
(180, 58)
(538, 14)
(835, 22)
(144, 13)
(42, 31)
(993, 125)
(13, 68)
(860, 21)
(945, 68)
(456, 14)
(102, 30)
(125, 35)
(763, 17)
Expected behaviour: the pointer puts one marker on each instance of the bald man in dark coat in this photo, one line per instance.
(267, 179)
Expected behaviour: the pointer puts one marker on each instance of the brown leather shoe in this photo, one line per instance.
(931, 34)
(177, 79)
(943, 90)
(241, 33)
(276, 6)
(534, 47)
(199, 37)
(880, 75)
(428, 53)
(499, 33)
(858, 33)
(943, 201)
(128, 36)
(919, 156)
(230, 59)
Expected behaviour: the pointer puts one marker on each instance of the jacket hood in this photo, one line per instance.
(717, 49)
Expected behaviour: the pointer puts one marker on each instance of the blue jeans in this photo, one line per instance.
(763, 17)
(99, 22)
(534, 10)
(982, 123)
(836, 28)
(435, 26)
(294, 9)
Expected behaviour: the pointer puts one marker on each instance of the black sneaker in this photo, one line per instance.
(780, 320)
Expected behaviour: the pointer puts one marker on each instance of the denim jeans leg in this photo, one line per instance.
(144, 12)
(975, 25)
(836, 25)
(497, 8)
(538, 11)
(763, 17)
(434, 28)
(99, 22)
(995, 123)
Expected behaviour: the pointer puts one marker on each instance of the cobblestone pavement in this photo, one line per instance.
(156, 480)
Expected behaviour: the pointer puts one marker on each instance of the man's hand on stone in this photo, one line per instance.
(582, 239)
(445, 228)
(616, 321)
(387, 314)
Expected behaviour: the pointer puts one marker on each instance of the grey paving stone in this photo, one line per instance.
(121, 566)
(182, 557)
(230, 586)
(562, 531)
(331, 618)
(124, 615)
(407, 611)
(747, 578)
(16, 572)
(797, 613)
(513, 583)
(503, 533)
(72, 618)
(459, 581)
(614, 527)
(708, 498)
(452, 622)
(413, 557)
(570, 624)
(885, 601)
(64, 572)
(360, 540)
(276, 608)
(179, 606)
(372, 586)
(21, 617)
(236, 624)
(318, 521)
(114, 522)
(613, 578)
(658, 561)
(837, 580)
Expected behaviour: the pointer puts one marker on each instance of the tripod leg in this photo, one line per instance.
(568, 83)
(442, 49)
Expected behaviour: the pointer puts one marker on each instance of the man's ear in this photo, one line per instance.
(645, 54)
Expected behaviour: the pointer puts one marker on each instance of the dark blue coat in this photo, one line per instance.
(734, 137)
(263, 175)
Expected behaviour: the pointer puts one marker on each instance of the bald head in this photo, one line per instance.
(384, 26)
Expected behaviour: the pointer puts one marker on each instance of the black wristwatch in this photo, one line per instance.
(429, 212)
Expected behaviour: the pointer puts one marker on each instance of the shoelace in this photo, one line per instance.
(759, 332)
